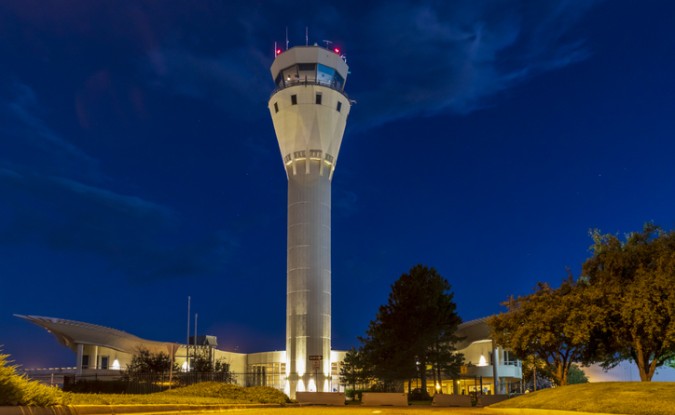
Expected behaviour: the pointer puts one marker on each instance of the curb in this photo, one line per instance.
(122, 409)
(530, 411)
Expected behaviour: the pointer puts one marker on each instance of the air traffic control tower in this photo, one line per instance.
(309, 110)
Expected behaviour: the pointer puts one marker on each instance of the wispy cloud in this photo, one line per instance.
(141, 239)
(53, 194)
(408, 57)
(28, 138)
(436, 57)
(234, 81)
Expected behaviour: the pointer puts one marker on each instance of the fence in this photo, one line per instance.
(140, 383)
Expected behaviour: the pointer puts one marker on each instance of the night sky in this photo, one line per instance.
(139, 165)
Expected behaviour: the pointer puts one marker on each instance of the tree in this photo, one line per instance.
(553, 325)
(633, 280)
(444, 361)
(222, 369)
(202, 361)
(149, 366)
(414, 330)
(536, 373)
(354, 370)
(576, 375)
(205, 368)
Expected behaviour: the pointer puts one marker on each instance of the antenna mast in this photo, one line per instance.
(286, 37)
(306, 35)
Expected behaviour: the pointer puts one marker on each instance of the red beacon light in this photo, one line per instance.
(336, 50)
(278, 52)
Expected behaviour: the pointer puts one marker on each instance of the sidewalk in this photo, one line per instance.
(122, 409)
(194, 409)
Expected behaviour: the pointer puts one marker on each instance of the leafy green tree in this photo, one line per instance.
(354, 370)
(554, 325)
(149, 366)
(414, 330)
(202, 362)
(536, 373)
(576, 375)
(222, 368)
(632, 281)
(205, 368)
(444, 362)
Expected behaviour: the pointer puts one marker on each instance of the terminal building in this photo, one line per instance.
(103, 353)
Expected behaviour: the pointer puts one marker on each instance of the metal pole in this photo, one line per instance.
(187, 342)
(195, 337)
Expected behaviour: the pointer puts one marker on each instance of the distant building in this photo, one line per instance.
(103, 352)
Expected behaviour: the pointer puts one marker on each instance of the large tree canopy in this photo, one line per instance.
(553, 326)
(633, 282)
(415, 329)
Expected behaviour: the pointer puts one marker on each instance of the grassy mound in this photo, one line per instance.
(639, 398)
(254, 394)
(205, 393)
(16, 389)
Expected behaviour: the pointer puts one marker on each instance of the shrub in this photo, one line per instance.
(266, 394)
(16, 389)
(356, 395)
(419, 394)
(97, 386)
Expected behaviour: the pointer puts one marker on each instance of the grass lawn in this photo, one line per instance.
(656, 398)
(206, 393)
(351, 410)
(651, 398)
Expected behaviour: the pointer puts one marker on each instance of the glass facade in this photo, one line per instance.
(310, 73)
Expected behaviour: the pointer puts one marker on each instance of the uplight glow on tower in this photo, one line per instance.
(309, 110)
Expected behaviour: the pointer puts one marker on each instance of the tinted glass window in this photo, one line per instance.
(325, 74)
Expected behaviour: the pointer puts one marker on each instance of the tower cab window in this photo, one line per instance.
(310, 73)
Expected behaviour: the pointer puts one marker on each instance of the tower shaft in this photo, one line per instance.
(308, 295)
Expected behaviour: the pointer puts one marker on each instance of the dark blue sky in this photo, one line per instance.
(138, 163)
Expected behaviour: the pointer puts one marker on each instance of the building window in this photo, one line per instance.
(85, 361)
(276, 107)
(294, 100)
(104, 362)
(339, 106)
(318, 99)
